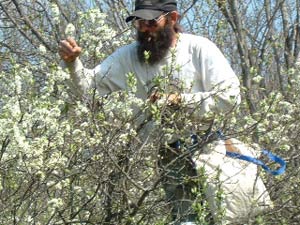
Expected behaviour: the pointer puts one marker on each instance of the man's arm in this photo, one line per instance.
(82, 79)
(220, 92)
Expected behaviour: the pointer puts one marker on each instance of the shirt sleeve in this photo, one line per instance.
(221, 87)
(81, 79)
(106, 77)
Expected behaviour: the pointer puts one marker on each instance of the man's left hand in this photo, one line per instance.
(173, 99)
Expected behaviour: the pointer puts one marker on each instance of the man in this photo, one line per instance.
(205, 81)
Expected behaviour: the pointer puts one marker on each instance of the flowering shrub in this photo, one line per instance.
(68, 161)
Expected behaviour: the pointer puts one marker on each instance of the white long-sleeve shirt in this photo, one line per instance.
(201, 67)
(195, 64)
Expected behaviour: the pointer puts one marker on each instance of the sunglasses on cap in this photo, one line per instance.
(137, 23)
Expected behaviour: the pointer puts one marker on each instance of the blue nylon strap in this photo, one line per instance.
(258, 162)
(250, 159)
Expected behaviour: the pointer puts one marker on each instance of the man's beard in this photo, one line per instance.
(157, 44)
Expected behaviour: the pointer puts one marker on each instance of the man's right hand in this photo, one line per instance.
(69, 50)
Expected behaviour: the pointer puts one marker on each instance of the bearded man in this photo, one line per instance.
(201, 72)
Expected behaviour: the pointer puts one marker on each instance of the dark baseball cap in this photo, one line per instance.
(151, 9)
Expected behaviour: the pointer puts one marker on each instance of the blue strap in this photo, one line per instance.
(251, 159)
(258, 162)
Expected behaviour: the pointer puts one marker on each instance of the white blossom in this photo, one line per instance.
(257, 79)
(42, 49)
(55, 13)
(70, 30)
(56, 202)
(18, 82)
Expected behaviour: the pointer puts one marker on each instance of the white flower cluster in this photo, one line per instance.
(274, 121)
(116, 108)
(95, 31)
(29, 117)
(55, 13)
(97, 35)
(56, 203)
(70, 30)
(42, 49)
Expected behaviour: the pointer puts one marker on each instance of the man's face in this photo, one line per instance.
(156, 40)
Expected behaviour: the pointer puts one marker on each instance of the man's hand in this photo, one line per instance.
(174, 99)
(171, 99)
(69, 50)
(154, 96)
